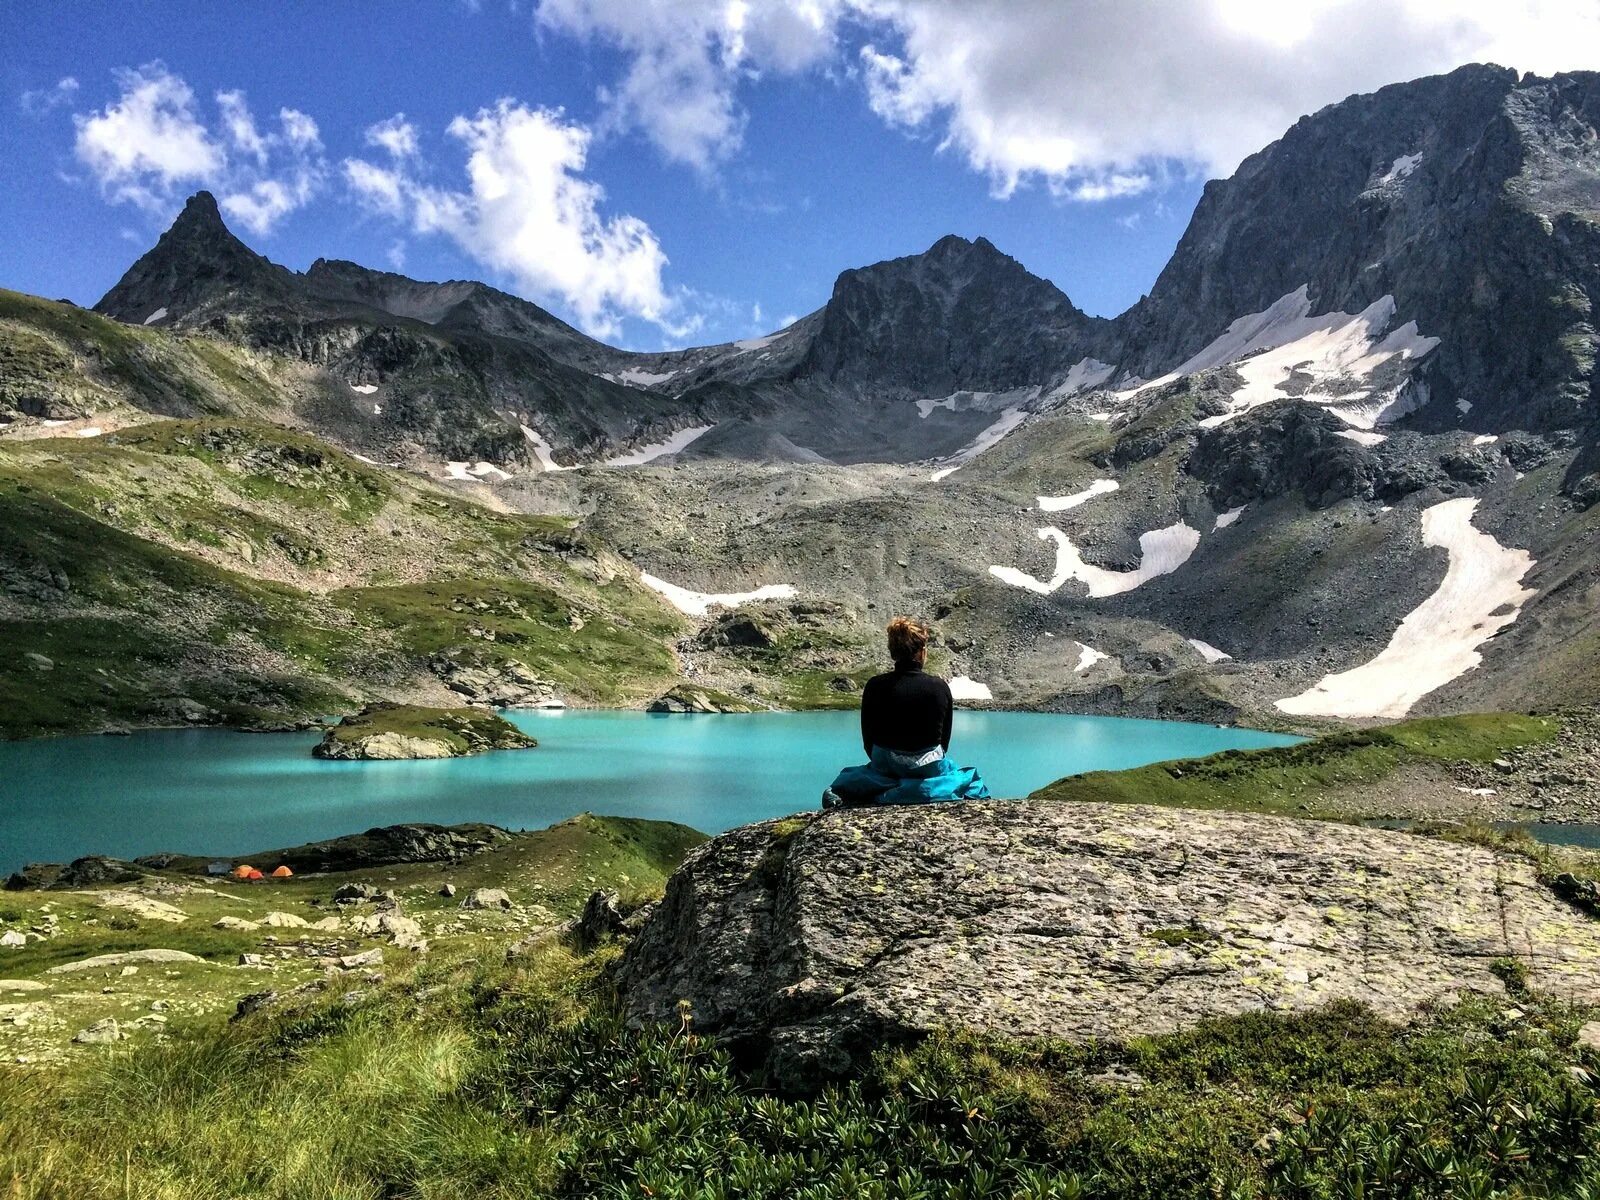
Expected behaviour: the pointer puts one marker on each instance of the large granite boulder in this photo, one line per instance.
(809, 942)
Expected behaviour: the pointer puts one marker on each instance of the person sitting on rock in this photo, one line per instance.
(905, 730)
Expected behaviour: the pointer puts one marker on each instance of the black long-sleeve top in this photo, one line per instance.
(906, 709)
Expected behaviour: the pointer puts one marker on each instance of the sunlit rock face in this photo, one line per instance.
(811, 942)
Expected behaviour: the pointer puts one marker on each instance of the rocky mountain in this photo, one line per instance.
(1469, 199)
(1341, 463)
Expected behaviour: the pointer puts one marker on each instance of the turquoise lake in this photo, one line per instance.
(217, 792)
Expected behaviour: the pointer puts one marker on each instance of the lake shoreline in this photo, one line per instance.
(225, 790)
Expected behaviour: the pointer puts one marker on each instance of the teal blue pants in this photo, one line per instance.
(888, 779)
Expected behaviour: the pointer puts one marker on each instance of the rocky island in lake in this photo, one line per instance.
(399, 731)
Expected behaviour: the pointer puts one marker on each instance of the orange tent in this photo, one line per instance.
(282, 872)
(242, 871)
(254, 875)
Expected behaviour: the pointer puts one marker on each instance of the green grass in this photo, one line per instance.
(1311, 775)
(614, 652)
(467, 1078)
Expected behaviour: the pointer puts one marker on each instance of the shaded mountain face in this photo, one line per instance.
(453, 370)
(1471, 199)
(961, 316)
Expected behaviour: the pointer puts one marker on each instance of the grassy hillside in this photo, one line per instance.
(59, 361)
(259, 573)
(1323, 775)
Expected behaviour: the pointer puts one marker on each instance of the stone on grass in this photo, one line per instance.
(487, 898)
(100, 1033)
(100, 961)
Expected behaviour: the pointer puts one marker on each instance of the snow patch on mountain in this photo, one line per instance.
(1363, 437)
(1209, 652)
(697, 604)
(364, 389)
(1345, 362)
(1088, 656)
(158, 315)
(1229, 517)
(963, 687)
(634, 377)
(1481, 594)
(1082, 376)
(1100, 487)
(655, 450)
(474, 472)
(760, 343)
(1008, 420)
(542, 451)
(1400, 168)
(1162, 551)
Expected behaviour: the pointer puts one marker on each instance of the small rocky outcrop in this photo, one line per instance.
(600, 921)
(810, 942)
(687, 699)
(498, 685)
(402, 731)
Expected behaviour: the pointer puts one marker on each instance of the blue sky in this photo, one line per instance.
(664, 174)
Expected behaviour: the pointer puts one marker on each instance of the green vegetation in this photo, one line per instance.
(464, 1076)
(78, 362)
(1313, 776)
(222, 570)
(459, 730)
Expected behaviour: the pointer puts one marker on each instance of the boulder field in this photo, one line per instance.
(807, 943)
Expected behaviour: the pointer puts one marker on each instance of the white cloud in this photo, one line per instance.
(396, 135)
(151, 143)
(240, 126)
(38, 101)
(381, 188)
(1094, 98)
(686, 59)
(529, 213)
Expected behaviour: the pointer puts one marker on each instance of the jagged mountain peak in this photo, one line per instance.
(962, 315)
(198, 259)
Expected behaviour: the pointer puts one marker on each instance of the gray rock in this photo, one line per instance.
(811, 942)
(253, 1002)
(448, 890)
(39, 662)
(600, 920)
(487, 898)
(367, 958)
(101, 961)
(101, 1033)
